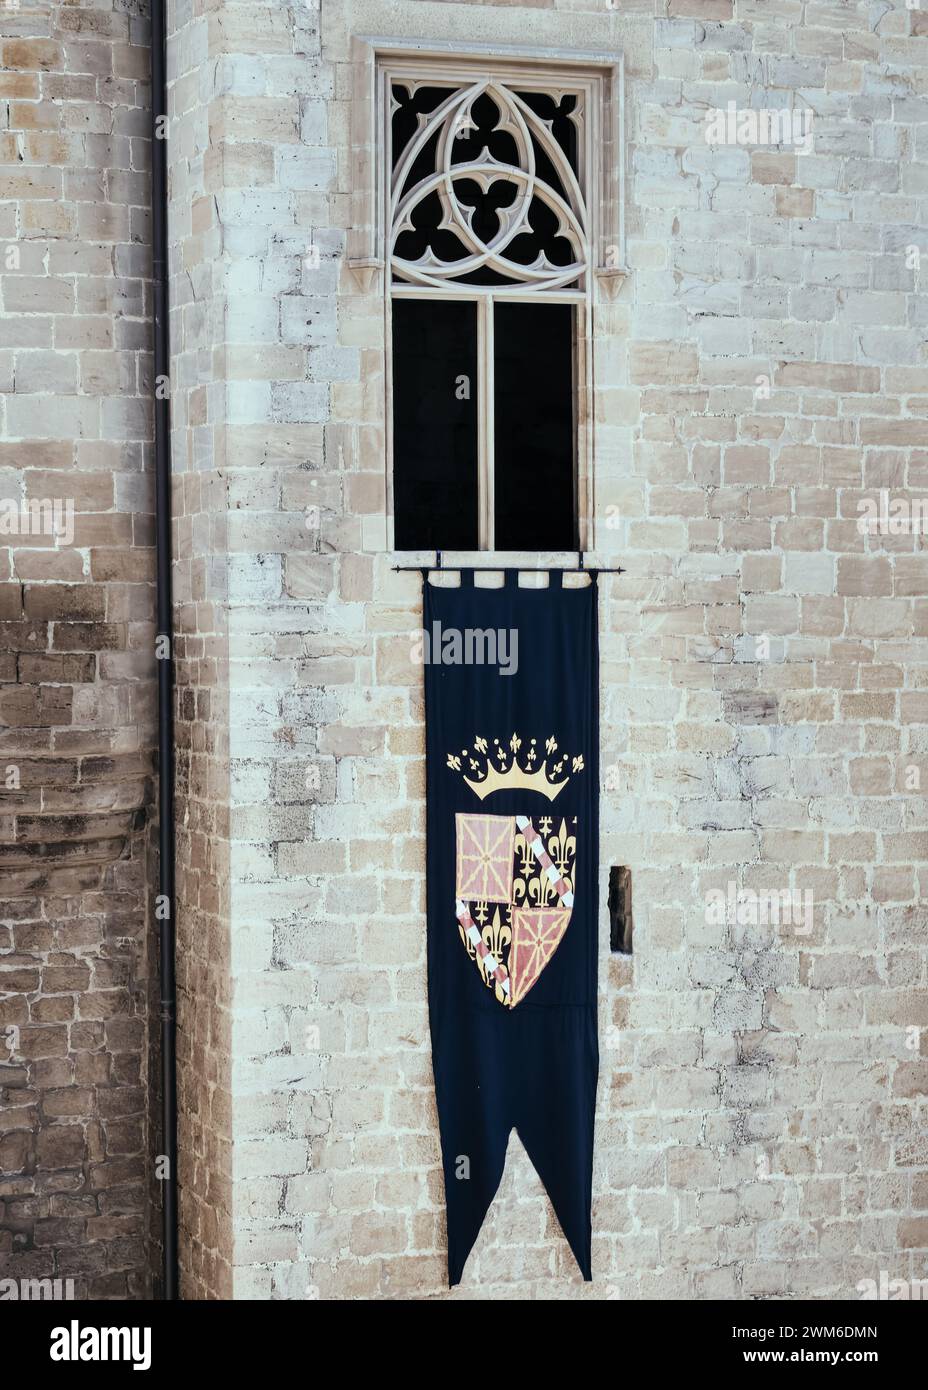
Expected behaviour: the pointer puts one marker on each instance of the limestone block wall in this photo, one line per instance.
(200, 397)
(760, 374)
(76, 646)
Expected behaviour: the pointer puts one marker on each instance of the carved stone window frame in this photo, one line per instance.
(599, 77)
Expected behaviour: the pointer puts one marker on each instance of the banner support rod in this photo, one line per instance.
(523, 569)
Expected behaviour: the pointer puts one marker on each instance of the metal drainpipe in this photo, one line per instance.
(165, 638)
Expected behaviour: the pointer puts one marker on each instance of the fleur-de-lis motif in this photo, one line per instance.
(454, 762)
(496, 938)
(562, 848)
(525, 856)
(540, 890)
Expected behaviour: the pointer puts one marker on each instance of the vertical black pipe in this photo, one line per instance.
(165, 637)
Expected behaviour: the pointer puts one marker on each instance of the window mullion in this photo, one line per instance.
(485, 457)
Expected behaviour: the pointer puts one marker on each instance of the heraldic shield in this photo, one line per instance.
(513, 896)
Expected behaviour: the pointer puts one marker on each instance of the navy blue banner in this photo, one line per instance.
(512, 729)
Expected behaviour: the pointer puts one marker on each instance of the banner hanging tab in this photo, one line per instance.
(512, 739)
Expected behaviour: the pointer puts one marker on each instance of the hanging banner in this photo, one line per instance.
(512, 736)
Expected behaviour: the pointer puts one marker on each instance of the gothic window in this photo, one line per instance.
(488, 255)
(492, 228)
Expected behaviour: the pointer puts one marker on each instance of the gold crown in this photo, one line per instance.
(501, 769)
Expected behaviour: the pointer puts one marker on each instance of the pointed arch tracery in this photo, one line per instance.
(485, 188)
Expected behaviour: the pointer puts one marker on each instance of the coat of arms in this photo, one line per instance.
(514, 875)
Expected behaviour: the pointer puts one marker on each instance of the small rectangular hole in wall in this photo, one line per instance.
(620, 910)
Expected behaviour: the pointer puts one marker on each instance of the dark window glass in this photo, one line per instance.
(534, 427)
(435, 424)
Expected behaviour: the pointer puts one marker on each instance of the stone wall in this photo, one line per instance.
(761, 1125)
(76, 646)
(200, 398)
(760, 1129)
